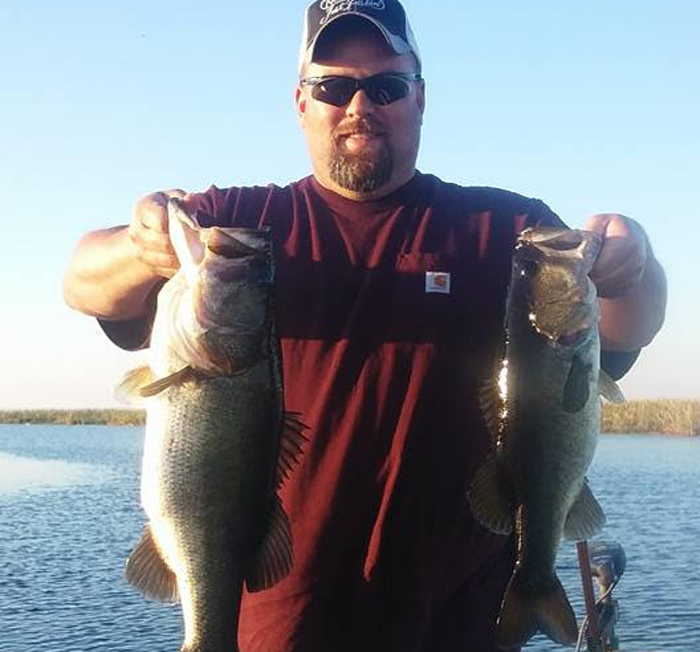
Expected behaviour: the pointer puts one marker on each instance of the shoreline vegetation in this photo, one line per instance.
(662, 416)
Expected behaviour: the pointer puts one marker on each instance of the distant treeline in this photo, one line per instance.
(668, 416)
(75, 417)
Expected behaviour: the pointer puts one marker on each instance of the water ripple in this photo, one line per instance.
(63, 549)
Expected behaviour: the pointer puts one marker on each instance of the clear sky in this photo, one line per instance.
(589, 105)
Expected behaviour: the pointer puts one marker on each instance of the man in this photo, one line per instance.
(390, 292)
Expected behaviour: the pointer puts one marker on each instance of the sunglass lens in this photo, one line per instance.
(381, 89)
(384, 89)
(336, 91)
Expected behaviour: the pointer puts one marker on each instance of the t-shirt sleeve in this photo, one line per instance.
(618, 363)
(133, 334)
(540, 214)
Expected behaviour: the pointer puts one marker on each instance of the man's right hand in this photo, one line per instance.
(148, 233)
(113, 271)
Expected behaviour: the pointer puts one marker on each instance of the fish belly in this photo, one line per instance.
(208, 475)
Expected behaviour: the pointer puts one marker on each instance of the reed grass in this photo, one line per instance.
(75, 417)
(665, 416)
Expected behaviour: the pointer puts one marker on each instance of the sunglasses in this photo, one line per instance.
(382, 89)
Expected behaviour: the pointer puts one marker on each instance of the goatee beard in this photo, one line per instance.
(360, 172)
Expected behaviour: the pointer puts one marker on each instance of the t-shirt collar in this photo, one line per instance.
(351, 207)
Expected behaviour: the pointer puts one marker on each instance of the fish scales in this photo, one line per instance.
(213, 452)
(214, 497)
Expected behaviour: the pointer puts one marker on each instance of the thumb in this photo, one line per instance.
(189, 200)
(177, 193)
(599, 223)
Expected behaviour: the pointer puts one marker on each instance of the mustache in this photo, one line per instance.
(360, 126)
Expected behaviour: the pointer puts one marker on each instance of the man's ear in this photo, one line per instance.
(421, 98)
(300, 101)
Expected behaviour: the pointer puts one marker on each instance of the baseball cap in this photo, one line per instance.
(388, 16)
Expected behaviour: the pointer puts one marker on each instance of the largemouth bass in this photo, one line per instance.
(218, 443)
(543, 408)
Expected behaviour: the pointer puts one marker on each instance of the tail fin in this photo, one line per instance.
(527, 609)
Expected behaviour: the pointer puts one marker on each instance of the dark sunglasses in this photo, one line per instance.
(382, 89)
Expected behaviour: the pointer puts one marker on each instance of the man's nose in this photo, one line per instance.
(360, 104)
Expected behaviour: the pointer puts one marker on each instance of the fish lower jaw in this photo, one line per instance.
(563, 342)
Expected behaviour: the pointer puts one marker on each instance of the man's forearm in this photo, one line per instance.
(105, 277)
(631, 321)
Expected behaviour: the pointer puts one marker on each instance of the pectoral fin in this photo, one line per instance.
(585, 518)
(274, 557)
(129, 388)
(161, 384)
(141, 383)
(491, 497)
(149, 573)
(609, 389)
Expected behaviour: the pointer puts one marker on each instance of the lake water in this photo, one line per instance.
(70, 516)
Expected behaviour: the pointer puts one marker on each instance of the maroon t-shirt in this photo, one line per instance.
(390, 315)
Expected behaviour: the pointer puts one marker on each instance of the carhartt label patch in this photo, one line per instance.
(437, 282)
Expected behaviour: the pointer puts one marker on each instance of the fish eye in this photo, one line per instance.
(529, 267)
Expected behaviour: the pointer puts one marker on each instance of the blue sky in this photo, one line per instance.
(591, 106)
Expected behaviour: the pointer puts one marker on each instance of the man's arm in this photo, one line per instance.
(113, 271)
(631, 284)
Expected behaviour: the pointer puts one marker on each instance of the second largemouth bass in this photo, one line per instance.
(543, 408)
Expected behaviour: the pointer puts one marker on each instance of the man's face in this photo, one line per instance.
(362, 150)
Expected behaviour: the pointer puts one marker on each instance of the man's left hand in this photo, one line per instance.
(623, 256)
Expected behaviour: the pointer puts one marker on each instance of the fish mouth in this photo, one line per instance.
(570, 339)
(563, 244)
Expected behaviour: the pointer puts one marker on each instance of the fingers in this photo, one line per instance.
(149, 234)
(622, 258)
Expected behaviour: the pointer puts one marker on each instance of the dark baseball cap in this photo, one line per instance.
(388, 16)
